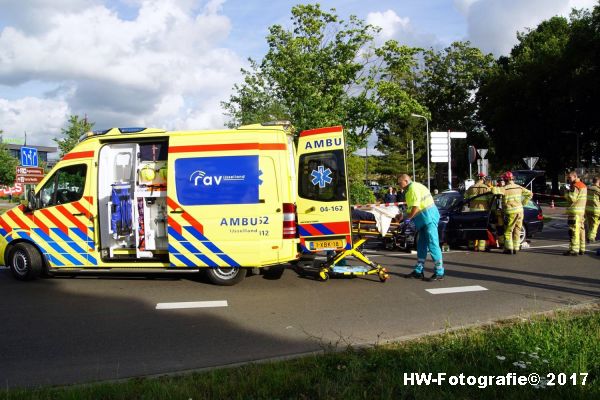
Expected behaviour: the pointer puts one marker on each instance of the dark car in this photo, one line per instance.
(458, 224)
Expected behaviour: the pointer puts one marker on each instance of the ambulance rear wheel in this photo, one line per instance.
(25, 262)
(226, 276)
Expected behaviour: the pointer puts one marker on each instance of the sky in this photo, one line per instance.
(170, 63)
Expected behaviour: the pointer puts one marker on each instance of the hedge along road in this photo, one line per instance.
(63, 330)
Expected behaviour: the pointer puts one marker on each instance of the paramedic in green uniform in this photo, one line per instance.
(425, 215)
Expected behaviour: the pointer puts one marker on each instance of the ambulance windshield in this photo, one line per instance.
(322, 176)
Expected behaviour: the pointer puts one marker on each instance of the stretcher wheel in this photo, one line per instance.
(323, 276)
(383, 275)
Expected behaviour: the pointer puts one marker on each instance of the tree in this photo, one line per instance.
(72, 133)
(537, 101)
(312, 75)
(448, 84)
(395, 93)
(8, 166)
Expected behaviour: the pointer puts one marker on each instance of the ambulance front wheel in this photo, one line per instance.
(226, 276)
(25, 262)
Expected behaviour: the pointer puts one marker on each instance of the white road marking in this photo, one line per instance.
(457, 289)
(550, 245)
(191, 304)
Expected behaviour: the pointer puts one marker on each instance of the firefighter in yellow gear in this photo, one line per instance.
(514, 197)
(576, 196)
(498, 189)
(479, 204)
(592, 209)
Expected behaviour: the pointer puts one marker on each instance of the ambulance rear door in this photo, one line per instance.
(322, 205)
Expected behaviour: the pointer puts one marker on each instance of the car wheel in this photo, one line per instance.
(522, 234)
(25, 262)
(226, 276)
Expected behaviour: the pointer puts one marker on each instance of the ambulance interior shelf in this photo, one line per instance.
(132, 199)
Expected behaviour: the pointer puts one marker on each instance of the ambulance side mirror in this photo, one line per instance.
(31, 200)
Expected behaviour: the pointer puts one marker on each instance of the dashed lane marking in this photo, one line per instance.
(191, 304)
(548, 246)
(457, 289)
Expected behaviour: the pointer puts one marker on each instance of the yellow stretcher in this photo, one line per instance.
(362, 231)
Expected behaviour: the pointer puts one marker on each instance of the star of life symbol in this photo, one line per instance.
(321, 176)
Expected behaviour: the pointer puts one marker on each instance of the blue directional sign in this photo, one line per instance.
(29, 157)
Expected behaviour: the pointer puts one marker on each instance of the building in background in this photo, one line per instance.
(47, 156)
(43, 151)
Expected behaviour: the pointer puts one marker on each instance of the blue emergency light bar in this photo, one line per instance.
(135, 129)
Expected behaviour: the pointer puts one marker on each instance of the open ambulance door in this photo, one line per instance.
(322, 206)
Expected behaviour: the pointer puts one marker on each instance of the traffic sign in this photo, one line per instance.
(30, 171)
(453, 135)
(441, 138)
(438, 146)
(472, 154)
(29, 157)
(482, 152)
(531, 161)
(483, 166)
(439, 153)
(31, 179)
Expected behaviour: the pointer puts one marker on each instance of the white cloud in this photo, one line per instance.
(493, 24)
(389, 22)
(399, 28)
(153, 69)
(40, 118)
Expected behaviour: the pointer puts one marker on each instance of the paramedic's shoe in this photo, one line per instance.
(514, 252)
(570, 253)
(581, 252)
(507, 251)
(414, 274)
(435, 277)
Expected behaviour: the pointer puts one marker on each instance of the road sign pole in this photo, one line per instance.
(412, 151)
(449, 161)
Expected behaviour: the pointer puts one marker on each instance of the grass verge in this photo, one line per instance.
(566, 342)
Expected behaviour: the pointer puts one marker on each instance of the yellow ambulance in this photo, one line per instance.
(149, 200)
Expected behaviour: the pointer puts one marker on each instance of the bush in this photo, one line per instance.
(360, 193)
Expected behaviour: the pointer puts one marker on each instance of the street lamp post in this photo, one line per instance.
(427, 133)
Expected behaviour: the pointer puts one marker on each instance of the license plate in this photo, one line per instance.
(326, 244)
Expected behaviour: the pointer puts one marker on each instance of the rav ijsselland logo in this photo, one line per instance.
(199, 178)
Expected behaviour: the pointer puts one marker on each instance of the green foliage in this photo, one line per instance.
(356, 168)
(311, 75)
(447, 87)
(72, 132)
(360, 193)
(8, 166)
(544, 94)
(396, 96)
